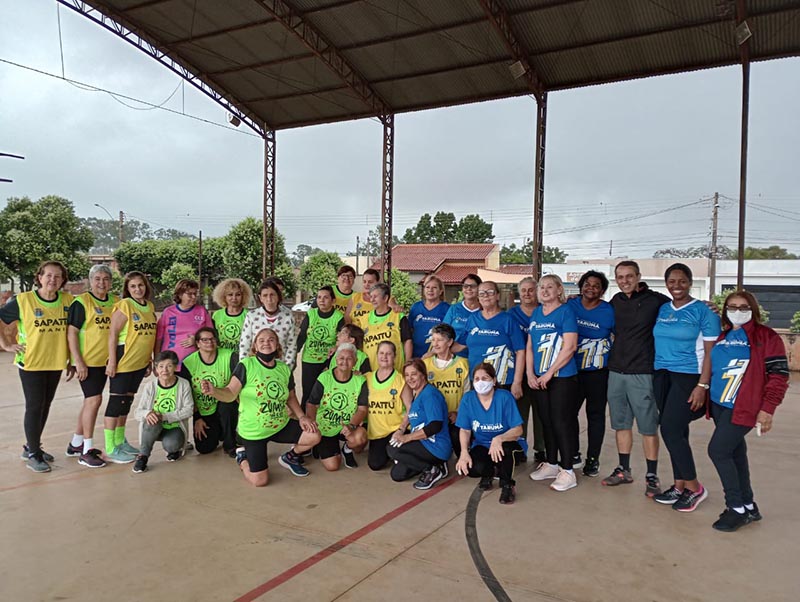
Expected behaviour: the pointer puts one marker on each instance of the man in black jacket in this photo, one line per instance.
(630, 382)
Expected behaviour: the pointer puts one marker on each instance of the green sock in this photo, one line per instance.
(109, 433)
(119, 436)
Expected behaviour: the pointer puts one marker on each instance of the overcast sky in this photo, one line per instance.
(616, 151)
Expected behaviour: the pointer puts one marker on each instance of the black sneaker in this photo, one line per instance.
(486, 483)
(508, 493)
(445, 470)
(754, 514)
(592, 467)
(349, 459)
(173, 456)
(690, 500)
(241, 455)
(429, 478)
(669, 497)
(26, 454)
(231, 453)
(74, 451)
(93, 459)
(577, 462)
(141, 464)
(730, 520)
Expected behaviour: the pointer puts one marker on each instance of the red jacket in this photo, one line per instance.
(767, 377)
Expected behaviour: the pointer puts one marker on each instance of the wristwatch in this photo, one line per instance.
(705, 386)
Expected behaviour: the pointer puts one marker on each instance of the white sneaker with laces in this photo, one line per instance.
(544, 472)
(565, 480)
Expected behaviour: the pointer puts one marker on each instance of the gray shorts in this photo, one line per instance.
(631, 396)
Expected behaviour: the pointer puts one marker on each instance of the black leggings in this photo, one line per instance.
(377, 458)
(483, 465)
(728, 451)
(672, 391)
(229, 419)
(527, 408)
(556, 405)
(39, 388)
(410, 459)
(593, 388)
(310, 373)
(210, 442)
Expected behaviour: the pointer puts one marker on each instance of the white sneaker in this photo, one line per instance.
(544, 472)
(565, 480)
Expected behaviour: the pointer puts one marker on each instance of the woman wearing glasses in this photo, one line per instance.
(426, 314)
(749, 377)
(179, 322)
(458, 313)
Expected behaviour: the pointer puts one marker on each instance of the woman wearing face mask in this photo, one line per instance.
(552, 340)
(426, 449)
(490, 415)
(426, 314)
(265, 387)
(233, 296)
(41, 352)
(684, 334)
(458, 313)
(270, 315)
(749, 378)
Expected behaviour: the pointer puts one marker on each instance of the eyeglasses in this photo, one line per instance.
(206, 340)
(469, 286)
(737, 307)
(487, 293)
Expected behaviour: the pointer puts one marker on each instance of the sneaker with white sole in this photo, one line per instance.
(429, 478)
(129, 449)
(348, 456)
(669, 497)
(290, 462)
(141, 464)
(26, 454)
(577, 462)
(92, 459)
(118, 456)
(36, 463)
(544, 472)
(565, 480)
(74, 451)
(690, 500)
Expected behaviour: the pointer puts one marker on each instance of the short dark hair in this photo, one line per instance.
(445, 330)
(210, 329)
(328, 289)
(372, 272)
(184, 284)
(270, 283)
(628, 263)
(594, 274)
(418, 365)
(486, 367)
(474, 277)
(679, 267)
(162, 356)
(356, 333)
(55, 264)
(345, 269)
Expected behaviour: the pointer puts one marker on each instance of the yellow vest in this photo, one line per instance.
(383, 328)
(361, 308)
(138, 335)
(93, 335)
(42, 328)
(449, 380)
(386, 408)
(340, 300)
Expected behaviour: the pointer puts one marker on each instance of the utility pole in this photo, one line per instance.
(357, 241)
(712, 270)
(121, 223)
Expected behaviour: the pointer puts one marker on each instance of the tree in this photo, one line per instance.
(32, 232)
(301, 252)
(106, 233)
(443, 228)
(524, 254)
(405, 292)
(772, 252)
(319, 270)
(241, 254)
(794, 326)
(723, 252)
(176, 272)
(719, 301)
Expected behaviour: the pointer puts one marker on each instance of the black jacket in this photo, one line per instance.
(633, 351)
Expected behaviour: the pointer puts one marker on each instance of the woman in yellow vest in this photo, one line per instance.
(41, 352)
(343, 291)
(131, 340)
(450, 374)
(360, 303)
(87, 335)
(385, 324)
(389, 401)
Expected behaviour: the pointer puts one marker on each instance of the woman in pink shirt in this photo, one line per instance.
(179, 322)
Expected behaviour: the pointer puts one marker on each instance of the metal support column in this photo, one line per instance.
(268, 233)
(387, 197)
(743, 37)
(538, 187)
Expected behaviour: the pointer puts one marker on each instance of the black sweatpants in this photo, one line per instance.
(210, 442)
(728, 451)
(310, 373)
(593, 387)
(672, 391)
(39, 388)
(229, 419)
(377, 456)
(527, 409)
(556, 405)
(410, 459)
(483, 465)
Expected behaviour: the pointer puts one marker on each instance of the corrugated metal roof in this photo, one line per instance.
(417, 54)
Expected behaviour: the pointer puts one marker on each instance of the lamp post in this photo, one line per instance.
(121, 221)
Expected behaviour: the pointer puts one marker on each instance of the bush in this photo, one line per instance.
(719, 301)
(795, 324)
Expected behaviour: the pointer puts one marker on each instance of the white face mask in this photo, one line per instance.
(482, 387)
(740, 317)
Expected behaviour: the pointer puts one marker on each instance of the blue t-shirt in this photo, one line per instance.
(679, 334)
(522, 319)
(421, 321)
(595, 327)
(729, 360)
(547, 338)
(495, 341)
(501, 416)
(457, 317)
(429, 406)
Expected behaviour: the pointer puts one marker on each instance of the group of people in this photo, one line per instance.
(464, 380)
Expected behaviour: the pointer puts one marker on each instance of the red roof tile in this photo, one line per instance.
(426, 258)
(517, 268)
(454, 274)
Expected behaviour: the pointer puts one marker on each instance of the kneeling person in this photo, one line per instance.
(164, 409)
(339, 403)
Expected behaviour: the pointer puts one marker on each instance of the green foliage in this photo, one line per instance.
(174, 273)
(723, 252)
(319, 270)
(719, 301)
(772, 252)
(443, 228)
(32, 232)
(524, 254)
(301, 252)
(404, 291)
(106, 233)
(794, 326)
(241, 254)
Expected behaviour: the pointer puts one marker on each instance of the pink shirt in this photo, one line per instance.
(176, 324)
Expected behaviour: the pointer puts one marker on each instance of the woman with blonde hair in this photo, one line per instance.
(427, 313)
(233, 296)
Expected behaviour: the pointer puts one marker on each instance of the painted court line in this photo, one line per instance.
(292, 572)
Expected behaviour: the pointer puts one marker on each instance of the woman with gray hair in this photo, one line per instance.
(88, 322)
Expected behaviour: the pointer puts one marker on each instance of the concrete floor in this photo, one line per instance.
(194, 530)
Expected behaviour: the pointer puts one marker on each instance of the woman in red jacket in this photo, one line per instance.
(749, 377)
